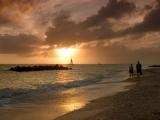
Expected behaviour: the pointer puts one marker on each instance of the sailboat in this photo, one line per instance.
(71, 62)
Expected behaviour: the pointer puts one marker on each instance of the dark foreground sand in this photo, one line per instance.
(140, 102)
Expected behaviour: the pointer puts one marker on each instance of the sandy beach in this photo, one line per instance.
(140, 102)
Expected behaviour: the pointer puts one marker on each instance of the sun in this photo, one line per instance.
(65, 54)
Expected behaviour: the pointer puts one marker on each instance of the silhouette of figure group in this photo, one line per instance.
(138, 70)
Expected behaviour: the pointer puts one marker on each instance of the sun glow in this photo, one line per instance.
(65, 54)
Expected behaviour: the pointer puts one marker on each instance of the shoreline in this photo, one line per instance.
(50, 105)
(140, 101)
(44, 108)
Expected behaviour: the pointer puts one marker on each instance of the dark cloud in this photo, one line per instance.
(12, 9)
(97, 27)
(21, 44)
(148, 7)
(114, 9)
(67, 32)
(23, 17)
(149, 24)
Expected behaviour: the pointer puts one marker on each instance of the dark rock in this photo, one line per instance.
(154, 66)
(38, 68)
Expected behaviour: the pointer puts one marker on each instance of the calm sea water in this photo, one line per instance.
(81, 75)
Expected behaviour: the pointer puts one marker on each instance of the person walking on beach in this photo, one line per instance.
(139, 68)
(131, 71)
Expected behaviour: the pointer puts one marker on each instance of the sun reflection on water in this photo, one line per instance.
(64, 77)
(73, 101)
(73, 105)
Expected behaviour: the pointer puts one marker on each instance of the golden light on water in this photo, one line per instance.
(73, 101)
(73, 104)
(65, 54)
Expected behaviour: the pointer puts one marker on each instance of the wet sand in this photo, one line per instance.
(140, 102)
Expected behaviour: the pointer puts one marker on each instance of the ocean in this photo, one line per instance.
(66, 90)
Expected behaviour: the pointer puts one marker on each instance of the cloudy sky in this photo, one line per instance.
(106, 31)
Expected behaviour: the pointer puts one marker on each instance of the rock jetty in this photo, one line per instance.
(38, 68)
(154, 66)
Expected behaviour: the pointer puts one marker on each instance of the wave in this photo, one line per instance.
(11, 93)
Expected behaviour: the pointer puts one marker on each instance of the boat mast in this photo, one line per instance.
(71, 62)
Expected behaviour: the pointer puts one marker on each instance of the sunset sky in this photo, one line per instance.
(89, 31)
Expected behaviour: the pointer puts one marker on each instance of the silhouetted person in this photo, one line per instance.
(139, 68)
(131, 71)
